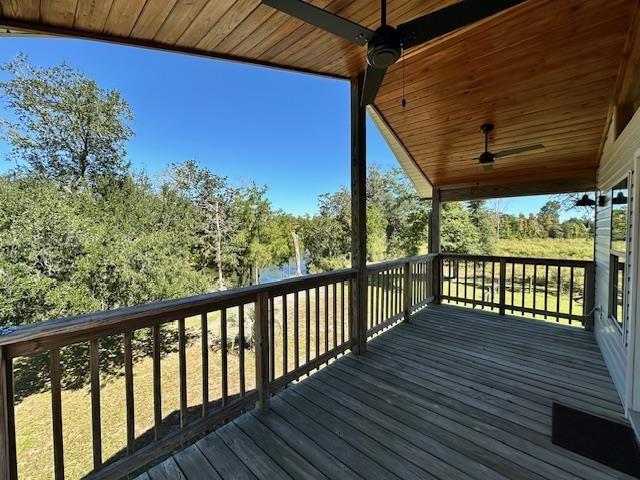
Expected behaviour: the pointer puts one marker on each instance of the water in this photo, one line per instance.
(275, 273)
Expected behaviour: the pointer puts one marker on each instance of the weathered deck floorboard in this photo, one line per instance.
(456, 394)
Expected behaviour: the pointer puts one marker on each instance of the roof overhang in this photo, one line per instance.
(543, 72)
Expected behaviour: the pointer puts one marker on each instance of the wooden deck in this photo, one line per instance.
(456, 394)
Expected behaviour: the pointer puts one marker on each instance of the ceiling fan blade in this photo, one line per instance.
(373, 78)
(448, 19)
(322, 19)
(515, 151)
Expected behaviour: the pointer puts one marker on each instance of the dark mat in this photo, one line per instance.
(600, 439)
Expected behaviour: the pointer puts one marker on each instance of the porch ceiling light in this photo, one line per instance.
(585, 201)
(619, 199)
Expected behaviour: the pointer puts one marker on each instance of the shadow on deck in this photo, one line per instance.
(456, 394)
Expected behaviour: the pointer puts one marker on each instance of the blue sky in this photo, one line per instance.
(285, 130)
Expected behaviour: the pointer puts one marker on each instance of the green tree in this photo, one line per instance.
(549, 217)
(481, 219)
(574, 228)
(458, 234)
(214, 198)
(66, 127)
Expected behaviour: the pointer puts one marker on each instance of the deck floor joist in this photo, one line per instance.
(456, 394)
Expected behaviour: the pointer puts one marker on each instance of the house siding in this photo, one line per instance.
(616, 162)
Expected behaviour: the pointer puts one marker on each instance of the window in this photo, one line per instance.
(619, 238)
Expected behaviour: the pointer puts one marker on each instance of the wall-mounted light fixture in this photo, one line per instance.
(602, 200)
(585, 201)
(620, 199)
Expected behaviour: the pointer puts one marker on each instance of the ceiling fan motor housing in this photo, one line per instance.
(486, 158)
(384, 48)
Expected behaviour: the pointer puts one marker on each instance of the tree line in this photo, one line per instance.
(81, 231)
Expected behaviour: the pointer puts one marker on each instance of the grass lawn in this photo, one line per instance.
(565, 248)
(33, 413)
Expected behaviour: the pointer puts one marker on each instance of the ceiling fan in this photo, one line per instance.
(386, 43)
(487, 158)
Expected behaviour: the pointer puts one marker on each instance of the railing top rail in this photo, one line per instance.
(529, 260)
(375, 267)
(98, 324)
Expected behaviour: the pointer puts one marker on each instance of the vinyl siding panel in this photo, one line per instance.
(617, 160)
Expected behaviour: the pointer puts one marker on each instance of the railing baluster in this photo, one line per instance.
(182, 366)
(558, 297)
(307, 336)
(326, 318)
(370, 298)
(535, 284)
(570, 295)
(392, 289)
(484, 280)
(546, 290)
(407, 297)
(427, 277)
(96, 430)
(335, 314)
(399, 282)
(524, 276)
(394, 297)
(296, 330)
(272, 338)
(129, 395)
(378, 297)
(473, 302)
(157, 391)
(317, 322)
(386, 295)
(457, 281)
(513, 285)
(204, 353)
(493, 284)
(466, 281)
(241, 348)
(56, 413)
(285, 336)
(224, 361)
(342, 307)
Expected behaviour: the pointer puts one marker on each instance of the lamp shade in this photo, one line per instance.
(619, 199)
(585, 201)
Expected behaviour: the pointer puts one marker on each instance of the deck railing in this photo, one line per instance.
(560, 290)
(253, 340)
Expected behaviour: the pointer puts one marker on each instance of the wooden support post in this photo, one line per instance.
(502, 284)
(589, 296)
(358, 219)
(434, 244)
(436, 279)
(434, 222)
(7, 428)
(407, 288)
(261, 337)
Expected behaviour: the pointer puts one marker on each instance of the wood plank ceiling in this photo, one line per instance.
(542, 72)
